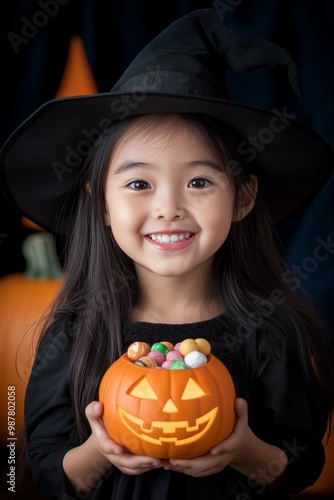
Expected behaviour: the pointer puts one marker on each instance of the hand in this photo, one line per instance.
(126, 462)
(221, 455)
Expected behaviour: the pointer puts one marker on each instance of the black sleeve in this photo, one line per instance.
(49, 418)
(285, 416)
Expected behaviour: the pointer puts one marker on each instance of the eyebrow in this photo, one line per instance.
(133, 165)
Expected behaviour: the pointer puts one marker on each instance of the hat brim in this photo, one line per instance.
(42, 158)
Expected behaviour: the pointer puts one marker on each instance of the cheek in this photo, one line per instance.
(218, 200)
(217, 216)
(122, 213)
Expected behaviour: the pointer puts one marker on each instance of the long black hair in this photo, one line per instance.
(101, 287)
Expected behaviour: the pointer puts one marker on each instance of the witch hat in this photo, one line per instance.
(181, 71)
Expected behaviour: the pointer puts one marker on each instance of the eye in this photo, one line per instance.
(199, 183)
(139, 185)
(192, 390)
(143, 390)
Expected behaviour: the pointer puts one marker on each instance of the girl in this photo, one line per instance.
(172, 237)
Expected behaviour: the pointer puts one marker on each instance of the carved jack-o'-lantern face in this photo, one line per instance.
(167, 413)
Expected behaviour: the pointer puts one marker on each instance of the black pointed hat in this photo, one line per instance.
(181, 71)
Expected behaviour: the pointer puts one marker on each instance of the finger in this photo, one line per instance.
(241, 412)
(94, 410)
(241, 408)
(197, 467)
(137, 464)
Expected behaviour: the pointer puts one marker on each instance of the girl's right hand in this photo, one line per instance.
(126, 462)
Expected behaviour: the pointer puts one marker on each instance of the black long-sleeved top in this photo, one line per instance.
(279, 408)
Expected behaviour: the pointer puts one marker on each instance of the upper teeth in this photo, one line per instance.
(168, 238)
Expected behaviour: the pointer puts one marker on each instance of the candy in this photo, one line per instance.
(194, 359)
(167, 364)
(178, 365)
(174, 355)
(189, 353)
(168, 344)
(159, 346)
(204, 346)
(146, 361)
(138, 349)
(187, 346)
(139, 362)
(158, 357)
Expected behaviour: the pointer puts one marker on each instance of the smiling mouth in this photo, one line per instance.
(170, 238)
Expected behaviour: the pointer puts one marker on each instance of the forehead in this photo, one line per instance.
(159, 133)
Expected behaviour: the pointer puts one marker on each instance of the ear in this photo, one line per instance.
(247, 199)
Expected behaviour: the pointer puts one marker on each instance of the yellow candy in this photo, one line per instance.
(187, 346)
(138, 349)
(204, 346)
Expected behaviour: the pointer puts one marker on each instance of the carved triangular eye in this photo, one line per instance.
(143, 390)
(192, 390)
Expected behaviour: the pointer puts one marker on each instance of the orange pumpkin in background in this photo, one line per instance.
(24, 298)
(167, 413)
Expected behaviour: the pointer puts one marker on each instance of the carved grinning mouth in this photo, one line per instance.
(161, 431)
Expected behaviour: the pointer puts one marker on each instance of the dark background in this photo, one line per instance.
(115, 31)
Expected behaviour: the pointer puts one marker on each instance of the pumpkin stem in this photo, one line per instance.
(40, 253)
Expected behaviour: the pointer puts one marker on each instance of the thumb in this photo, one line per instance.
(94, 413)
(241, 410)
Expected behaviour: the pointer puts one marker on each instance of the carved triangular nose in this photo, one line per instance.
(170, 407)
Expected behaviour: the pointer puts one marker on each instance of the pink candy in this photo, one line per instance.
(177, 346)
(158, 357)
(174, 355)
(167, 364)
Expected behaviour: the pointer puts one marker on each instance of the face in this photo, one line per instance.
(168, 202)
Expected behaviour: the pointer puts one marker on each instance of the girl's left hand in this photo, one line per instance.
(221, 455)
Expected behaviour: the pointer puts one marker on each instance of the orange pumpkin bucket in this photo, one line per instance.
(168, 413)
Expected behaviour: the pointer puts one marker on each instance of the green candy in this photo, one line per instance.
(178, 365)
(158, 346)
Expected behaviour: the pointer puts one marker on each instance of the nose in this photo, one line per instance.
(168, 206)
